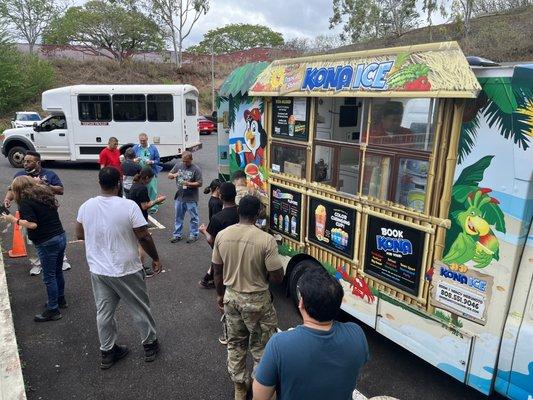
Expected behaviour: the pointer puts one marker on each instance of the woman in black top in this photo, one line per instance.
(38, 214)
(215, 203)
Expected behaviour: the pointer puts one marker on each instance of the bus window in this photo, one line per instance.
(129, 107)
(160, 107)
(190, 107)
(288, 159)
(94, 107)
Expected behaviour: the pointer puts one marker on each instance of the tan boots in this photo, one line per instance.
(241, 390)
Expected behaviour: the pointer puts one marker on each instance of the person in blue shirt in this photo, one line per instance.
(147, 155)
(320, 359)
(32, 167)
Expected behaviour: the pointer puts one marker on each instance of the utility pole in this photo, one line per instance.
(212, 77)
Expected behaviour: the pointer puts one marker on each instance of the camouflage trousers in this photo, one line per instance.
(251, 320)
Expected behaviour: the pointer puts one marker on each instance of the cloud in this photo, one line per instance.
(292, 18)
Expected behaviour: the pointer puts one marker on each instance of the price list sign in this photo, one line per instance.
(289, 118)
(285, 211)
(394, 254)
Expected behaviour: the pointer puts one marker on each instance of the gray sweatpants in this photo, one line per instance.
(131, 289)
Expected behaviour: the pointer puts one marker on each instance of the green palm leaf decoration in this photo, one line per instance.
(467, 140)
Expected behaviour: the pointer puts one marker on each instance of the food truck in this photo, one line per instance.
(407, 174)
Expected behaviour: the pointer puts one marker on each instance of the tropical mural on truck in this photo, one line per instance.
(507, 104)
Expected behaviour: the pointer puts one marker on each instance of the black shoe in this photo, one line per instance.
(205, 284)
(150, 351)
(149, 272)
(48, 315)
(175, 239)
(109, 358)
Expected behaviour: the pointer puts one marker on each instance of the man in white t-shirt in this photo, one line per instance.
(112, 227)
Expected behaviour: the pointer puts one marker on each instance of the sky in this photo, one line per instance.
(292, 18)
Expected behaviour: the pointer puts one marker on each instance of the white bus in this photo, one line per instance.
(84, 117)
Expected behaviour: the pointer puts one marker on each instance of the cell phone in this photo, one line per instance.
(3, 210)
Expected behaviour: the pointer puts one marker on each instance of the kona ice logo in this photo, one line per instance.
(392, 240)
(346, 77)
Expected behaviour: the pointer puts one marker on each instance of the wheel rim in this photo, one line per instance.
(18, 157)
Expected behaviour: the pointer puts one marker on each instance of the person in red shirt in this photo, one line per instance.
(110, 156)
(388, 129)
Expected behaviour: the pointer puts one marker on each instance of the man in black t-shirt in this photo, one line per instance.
(139, 194)
(228, 216)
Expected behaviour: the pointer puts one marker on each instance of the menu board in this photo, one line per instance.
(285, 212)
(289, 118)
(332, 226)
(393, 254)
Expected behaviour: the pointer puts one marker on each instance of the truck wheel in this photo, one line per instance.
(16, 156)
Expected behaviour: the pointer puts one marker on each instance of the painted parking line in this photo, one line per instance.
(155, 222)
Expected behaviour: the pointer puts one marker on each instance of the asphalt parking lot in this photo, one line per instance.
(60, 359)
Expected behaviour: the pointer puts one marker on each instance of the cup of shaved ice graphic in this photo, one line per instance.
(320, 221)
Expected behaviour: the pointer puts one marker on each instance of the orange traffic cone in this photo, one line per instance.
(19, 247)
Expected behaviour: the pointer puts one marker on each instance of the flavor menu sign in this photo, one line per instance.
(289, 118)
(332, 226)
(285, 212)
(393, 254)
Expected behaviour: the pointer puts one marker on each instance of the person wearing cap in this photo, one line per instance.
(130, 169)
(215, 203)
(320, 359)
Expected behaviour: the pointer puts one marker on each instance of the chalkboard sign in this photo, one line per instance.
(285, 212)
(393, 254)
(332, 226)
(289, 118)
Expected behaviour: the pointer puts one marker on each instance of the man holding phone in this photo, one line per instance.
(32, 167)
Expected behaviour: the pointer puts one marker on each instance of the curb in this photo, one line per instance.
(11, 380)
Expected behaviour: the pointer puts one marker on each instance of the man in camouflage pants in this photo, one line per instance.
(244, 260)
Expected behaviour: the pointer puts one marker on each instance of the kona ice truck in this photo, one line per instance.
(83, 118)
(407, 174)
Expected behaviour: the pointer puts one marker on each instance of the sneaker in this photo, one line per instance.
(192, 239)
(223, 340)
(48, 315)
(35, 270)
(149, 272)
(175, 239)
(150, 351)
(109, 358)
(206, 284)
(66, 266)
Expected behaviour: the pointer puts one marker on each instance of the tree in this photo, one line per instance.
(109, 30)
(462, 11)
(177, 18)
(373, 19)
(29, 18)
(236, 37)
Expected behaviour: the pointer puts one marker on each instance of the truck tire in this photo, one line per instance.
(16, 156)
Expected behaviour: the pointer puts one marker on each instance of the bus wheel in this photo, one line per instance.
(16, 156)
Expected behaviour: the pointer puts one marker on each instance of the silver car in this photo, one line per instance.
(25, 118)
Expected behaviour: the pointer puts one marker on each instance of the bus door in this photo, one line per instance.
(51, 138)
(191, 136)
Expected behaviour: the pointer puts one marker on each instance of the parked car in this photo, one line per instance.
(25, 118)
(206, 126)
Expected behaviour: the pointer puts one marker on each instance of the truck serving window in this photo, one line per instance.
(129, 107)
(160, 107)
(288, 159)
(94, 107)
(190, 107)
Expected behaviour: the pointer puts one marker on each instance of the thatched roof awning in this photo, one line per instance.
(241, 79)
(430, 70)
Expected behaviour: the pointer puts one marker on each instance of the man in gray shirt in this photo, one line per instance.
(188, 179)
